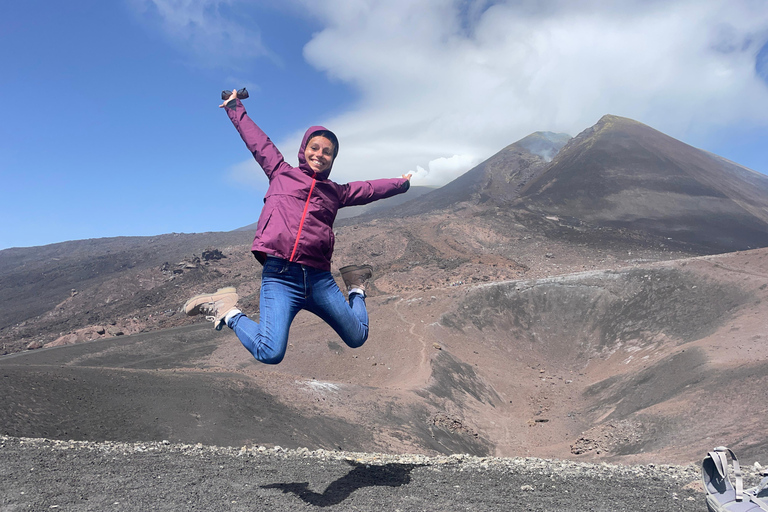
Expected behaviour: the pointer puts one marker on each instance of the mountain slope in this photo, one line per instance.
(498, 179)
(533, 307)
(623, 174)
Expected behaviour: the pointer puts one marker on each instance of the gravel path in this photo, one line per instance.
(40, 474)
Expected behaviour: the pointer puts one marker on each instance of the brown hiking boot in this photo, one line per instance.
(355, 276)
(214, 306)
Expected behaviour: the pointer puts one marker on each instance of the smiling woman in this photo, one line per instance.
(322, 148)
(294, 241)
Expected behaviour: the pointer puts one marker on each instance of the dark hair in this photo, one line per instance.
(328, 135)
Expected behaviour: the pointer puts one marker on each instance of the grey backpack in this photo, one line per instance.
(725, 489)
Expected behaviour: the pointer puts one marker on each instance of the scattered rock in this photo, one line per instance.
(212, 254)
(445, 422)
(114, 331)
(67, 339)
(608, 437)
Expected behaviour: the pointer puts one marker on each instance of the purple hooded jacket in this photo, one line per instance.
(300, 205)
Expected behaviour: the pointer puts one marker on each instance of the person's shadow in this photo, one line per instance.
(390, 475)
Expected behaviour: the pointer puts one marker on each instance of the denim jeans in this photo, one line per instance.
(287, 288)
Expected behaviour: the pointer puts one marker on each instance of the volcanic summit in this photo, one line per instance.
(588, 297)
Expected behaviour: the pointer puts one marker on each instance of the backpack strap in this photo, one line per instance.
(764, 482)
(762, 485)
(754, 493)
(720, 458)
(760, 502)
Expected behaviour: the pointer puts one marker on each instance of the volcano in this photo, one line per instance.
(585, 297)
(623, 174)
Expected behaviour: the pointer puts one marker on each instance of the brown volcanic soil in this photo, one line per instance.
(481, 343)
(92, 289)
(497, 328)
(623, 174)
(89, 289)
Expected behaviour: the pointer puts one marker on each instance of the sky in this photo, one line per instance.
(110, 123)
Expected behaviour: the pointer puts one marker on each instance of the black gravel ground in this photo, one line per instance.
(38, 474)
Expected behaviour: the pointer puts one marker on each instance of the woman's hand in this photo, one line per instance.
(231, 97)
(407, 176)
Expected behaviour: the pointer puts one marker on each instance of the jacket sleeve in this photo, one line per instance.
(363, 192)
(264, 151)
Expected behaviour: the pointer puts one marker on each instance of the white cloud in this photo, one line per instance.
(436, 81)
(212, 32)
(248, 173)
(445, 84)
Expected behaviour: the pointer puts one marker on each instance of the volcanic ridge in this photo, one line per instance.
(590, 298)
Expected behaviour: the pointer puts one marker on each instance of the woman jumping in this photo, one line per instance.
(294, 242)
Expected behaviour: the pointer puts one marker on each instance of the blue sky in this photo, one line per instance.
(110, 125)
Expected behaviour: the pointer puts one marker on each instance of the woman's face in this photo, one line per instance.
(319, 153)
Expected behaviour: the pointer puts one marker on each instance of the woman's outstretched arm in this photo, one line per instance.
(261, 147)
(363, 192)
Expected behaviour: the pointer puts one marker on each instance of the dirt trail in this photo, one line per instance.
(420, 374)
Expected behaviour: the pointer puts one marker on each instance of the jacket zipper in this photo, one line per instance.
(303, 218)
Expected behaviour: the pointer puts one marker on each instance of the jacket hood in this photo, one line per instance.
(303, 165)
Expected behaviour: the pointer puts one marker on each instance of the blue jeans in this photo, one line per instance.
(287, 288)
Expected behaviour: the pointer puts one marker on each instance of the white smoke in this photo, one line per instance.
(443, 170)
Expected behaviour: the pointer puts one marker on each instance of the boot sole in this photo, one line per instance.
(348, 268)
(206, 297)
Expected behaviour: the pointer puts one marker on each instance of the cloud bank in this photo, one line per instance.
(445, 84)
(213, 33)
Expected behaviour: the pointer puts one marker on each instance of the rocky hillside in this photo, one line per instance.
(625, 175)
(509, 317)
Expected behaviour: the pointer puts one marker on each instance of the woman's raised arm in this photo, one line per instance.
(258, 143)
